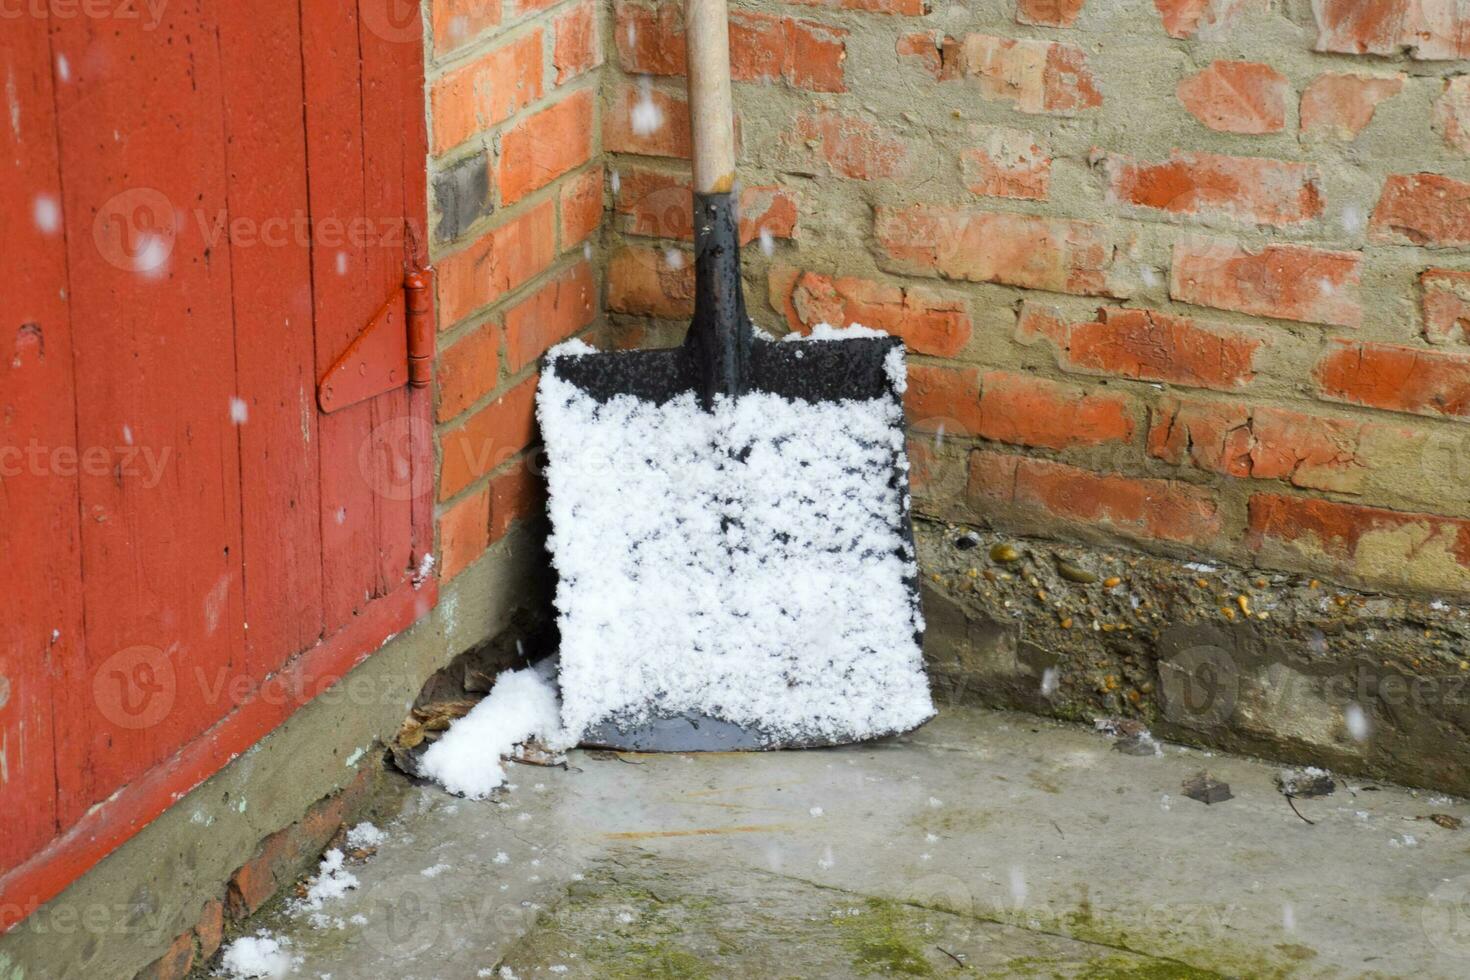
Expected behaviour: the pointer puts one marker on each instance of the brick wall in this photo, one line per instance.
(1190, 274)
(517, 188)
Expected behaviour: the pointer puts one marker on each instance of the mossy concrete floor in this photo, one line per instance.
(986, 844)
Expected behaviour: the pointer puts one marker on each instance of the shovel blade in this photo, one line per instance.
(737, 577)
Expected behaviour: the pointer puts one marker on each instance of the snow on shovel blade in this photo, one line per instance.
(742, 577)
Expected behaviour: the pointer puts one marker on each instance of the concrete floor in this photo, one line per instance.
(986, 844)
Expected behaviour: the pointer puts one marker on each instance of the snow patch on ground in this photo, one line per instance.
(745, 563)
(259, 956)
(522, 705)
(364, 835)
(333, 880)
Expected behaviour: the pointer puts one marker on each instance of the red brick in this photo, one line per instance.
(923, 466)
(650, 39)
(1371, 543)
(665, 132)
(1263, 443)
(805, 54)
(928, 322)
(554, 312)
(577, 48)
(172, 965)
(495, 263)
(464, 533)
(910, 8)
(1237, 97)
(774, 210)
(1290, 282)
(1245, 189)
(1146, 345)
(1048, 13)
(490, 437)
(1152, 509)
(458, 21)
(543, 146)
(1430, 30)
(487, 91)
(1033, 76)
(1025, 410)
(851, 146)
(925, 46)
(660, 205)
(581, 207)
(210, 928)
(943, 396)
(1452, 113)
(1401, 379)
(515, 495)
(1446, 305)
(255, 881)
(1210, 20)
(1425, 209)
(1338, 106)
(1007, 163)
(644, 281)
(990, 246)
(468, 370)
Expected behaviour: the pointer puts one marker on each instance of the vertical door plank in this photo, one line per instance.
(384, 39)
(142, 158)
(270, 261)
(40, 575)
(344, 299)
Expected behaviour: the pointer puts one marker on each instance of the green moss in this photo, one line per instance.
(1120, 968)
(659, 961)
(879, 941)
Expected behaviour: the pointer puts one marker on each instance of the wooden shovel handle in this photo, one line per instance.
(711, 117)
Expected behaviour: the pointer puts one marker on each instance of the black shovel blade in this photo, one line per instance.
(791, 617)
(810, 371)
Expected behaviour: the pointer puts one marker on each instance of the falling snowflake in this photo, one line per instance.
(239, 411)
(647, 116)
(47, 214)
(1357, 722)
(768, 241)
(673, 258)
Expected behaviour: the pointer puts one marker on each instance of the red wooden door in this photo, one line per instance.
(199, 215)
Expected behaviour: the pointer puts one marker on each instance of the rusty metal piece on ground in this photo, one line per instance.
(1208, 790)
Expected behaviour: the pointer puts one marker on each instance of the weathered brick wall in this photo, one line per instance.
(517, 188)
(1188, 273)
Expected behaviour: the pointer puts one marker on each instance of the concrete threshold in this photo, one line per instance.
(986, 844)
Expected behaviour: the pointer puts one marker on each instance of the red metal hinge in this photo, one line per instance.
(395, 348)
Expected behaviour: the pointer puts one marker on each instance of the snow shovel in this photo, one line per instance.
(730, 518)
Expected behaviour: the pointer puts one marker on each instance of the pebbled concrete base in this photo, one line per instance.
(1013, 845)
(1270, 663)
